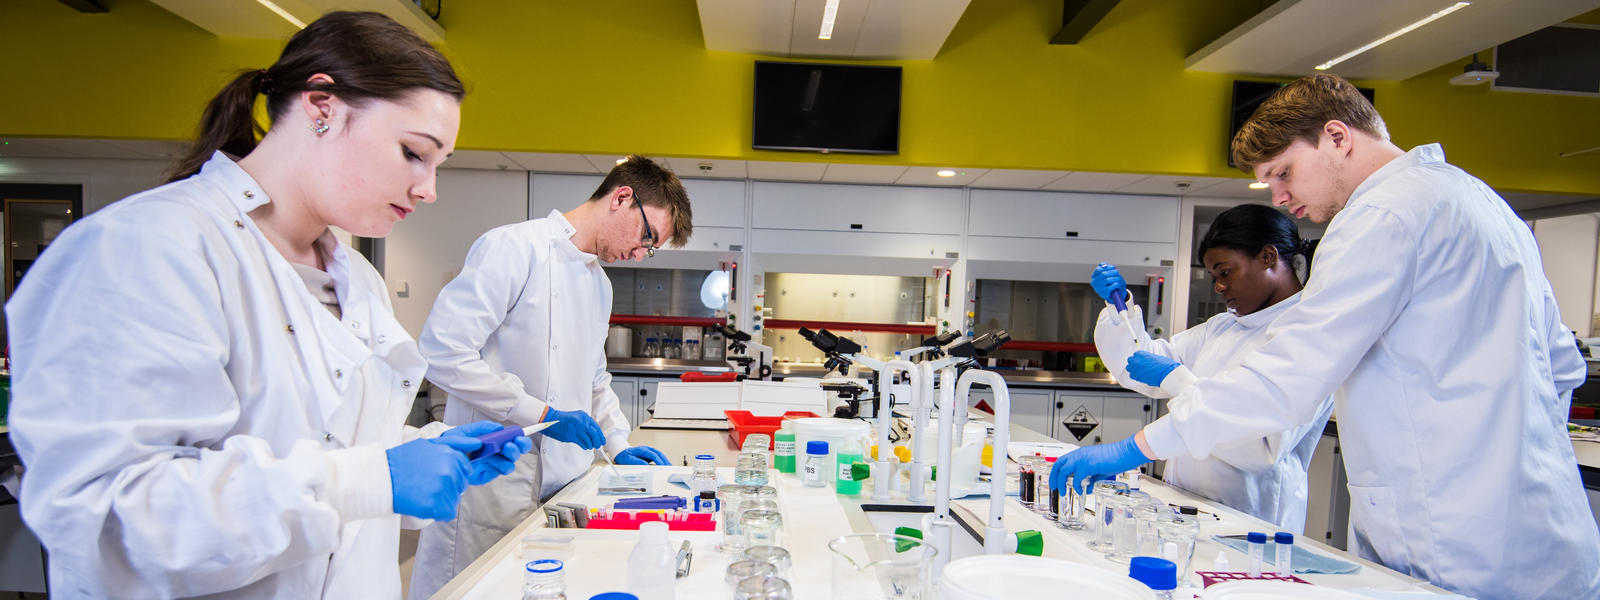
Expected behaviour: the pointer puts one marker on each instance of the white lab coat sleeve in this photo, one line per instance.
(1112, 341)
(1311, 348)
(608, 409)
(1566, 362)
(468, 310)
(1261, 455)
(126, 420)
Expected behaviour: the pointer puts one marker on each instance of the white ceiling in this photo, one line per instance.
(252, 18)
(863, 29)
(1291, 37)
(704, 168)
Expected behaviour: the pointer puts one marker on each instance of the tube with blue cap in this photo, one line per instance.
(494, 440)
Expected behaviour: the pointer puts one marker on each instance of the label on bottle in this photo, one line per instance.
(844, 471)
(811, 471)
(784, 448)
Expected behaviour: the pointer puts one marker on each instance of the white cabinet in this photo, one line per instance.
(627, 390)
(1030, 408)
(1078, 216)
(1327, 498)
(1086, 417)
(715, 202)
(863, 208)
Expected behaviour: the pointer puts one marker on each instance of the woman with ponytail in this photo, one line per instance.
(1258, 264)
(209, 390)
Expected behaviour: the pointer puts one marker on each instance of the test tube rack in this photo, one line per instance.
(622, 519)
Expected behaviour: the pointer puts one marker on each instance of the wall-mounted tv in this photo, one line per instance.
(1247, 97)
(827, 108)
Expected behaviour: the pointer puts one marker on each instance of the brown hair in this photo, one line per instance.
(1298, 111)
(368, 55)
(654, 185)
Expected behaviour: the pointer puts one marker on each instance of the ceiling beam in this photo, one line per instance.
(85, 6)
(1080, 16)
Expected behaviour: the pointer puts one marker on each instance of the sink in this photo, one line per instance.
(885, 518)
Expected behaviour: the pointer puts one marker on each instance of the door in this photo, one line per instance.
(627, 390)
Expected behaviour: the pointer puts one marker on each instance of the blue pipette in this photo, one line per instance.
(497, 439)
(1122, 307)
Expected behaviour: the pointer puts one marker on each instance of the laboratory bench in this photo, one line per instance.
(813, 516)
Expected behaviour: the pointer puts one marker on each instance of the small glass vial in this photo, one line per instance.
(741, 570)
(772, 555)
(763, 588)
(814, 473)
(1285, 553)
(1177, 535)
(762, 527)
(1258, 550)
(1069, 512)
(732, 498)
(652, 349)
(1044, 502)
(1157, 574)
(705, 473)
(691, 349)
(706, 502)
(1027, 474)
(543, 580)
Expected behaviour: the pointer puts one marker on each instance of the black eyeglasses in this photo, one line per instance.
(649, 236)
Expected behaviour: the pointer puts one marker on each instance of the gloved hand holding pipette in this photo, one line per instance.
(1112, 288)
(500, 449)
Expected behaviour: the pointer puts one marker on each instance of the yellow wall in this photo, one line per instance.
(613, 76)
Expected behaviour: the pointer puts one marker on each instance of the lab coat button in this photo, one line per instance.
(238, 224)
(338, 372)
(249, 194)
(405, 383)
(356, 324)
(327, 437)
(290, 328)
(382, 339)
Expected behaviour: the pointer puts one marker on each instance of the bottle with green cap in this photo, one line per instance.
(850, 453)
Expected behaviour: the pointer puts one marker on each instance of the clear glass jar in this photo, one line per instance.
(652, 349)
(1146, 518)
(763, 588)
(757, 442)
(704, 476)
(741, 570)
(751, 469)
(544, 580)
(762, 527)
(1177, 535)
(1069, 509)
(1027, 475)
(1103, 492)
(1125, 525)
(1044, 502)
(732, 498)
(669, 348)
(772, 555)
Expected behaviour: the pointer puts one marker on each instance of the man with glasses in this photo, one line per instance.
(519, 338)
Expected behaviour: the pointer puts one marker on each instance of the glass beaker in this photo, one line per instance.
(881, 566)
(1125, 524)
(773, 555)
(1177, 535)
(733, 498)
(751, 469)
(766, 587)
(1042, 496)
(741, 570)
(762, 527)
(1070, 513)
(1104, 491)
(1146, 517)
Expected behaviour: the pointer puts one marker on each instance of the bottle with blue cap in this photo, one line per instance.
(544, 580)
(614, 596)
(1285, 551)
(1160, 575)
(1258, 551)
(813, 473)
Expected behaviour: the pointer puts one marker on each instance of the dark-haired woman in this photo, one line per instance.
(210, 390)
(1251, 252)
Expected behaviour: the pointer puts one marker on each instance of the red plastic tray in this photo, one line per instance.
(1212, 577)
(622, 519)
(743, 424)
(703, 376)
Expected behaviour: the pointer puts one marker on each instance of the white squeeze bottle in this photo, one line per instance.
(652, 571)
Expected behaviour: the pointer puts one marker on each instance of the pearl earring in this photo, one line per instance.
(318, 127)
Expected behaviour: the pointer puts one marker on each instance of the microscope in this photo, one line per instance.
(750, 359)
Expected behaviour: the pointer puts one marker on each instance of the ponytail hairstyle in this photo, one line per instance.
(1250, 227)
(368, 55)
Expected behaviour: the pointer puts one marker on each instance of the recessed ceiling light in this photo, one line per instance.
(283, 13)
(946, 173)
(1403, 30)
(829, 12)
(1257, 185)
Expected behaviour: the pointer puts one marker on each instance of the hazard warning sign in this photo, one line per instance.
(1080, 422)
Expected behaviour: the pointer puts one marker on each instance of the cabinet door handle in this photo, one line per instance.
(643, 392)
(1097, 439)
(1061, 405)
(1147, 407)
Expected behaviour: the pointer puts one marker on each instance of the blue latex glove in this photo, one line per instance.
(574, 427)
(1106, 280)
(486, 468)
(642, 455)
(1089, 464)
(428, 475)
(1150, 369)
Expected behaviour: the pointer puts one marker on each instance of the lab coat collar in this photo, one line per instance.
(243, 190)
(1420, 155)
(563, 238)
(1266, 315)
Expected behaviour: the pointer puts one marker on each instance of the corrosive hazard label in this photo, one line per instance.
(1080, 422)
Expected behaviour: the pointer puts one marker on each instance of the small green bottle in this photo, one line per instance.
(849, 454)
(783, 448)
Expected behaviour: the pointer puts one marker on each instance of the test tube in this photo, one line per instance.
(1258, 550)
(1285, 543)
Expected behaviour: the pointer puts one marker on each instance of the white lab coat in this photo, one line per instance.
(522, 327)
(1264, 477)
(193, 421)
(1431, 307)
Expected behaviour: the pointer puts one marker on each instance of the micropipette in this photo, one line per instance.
(1122, 307)
(497, 439)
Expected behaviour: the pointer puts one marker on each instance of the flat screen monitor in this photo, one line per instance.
(827, 108)
(1247, 97)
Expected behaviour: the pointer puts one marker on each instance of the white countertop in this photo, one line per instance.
(813, 516)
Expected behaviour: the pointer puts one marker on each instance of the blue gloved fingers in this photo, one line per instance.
(472, 429)
(461, 443)
(628, 457)
(427, 476)
(1059, 473)
(575, 427)
(1105, 280)
(1149, 368)
(517, 447)
(655, 456)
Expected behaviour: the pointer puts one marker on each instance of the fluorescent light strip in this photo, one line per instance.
(829, 12)
(1404, 30)
(1258, 185)
(283, 13)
